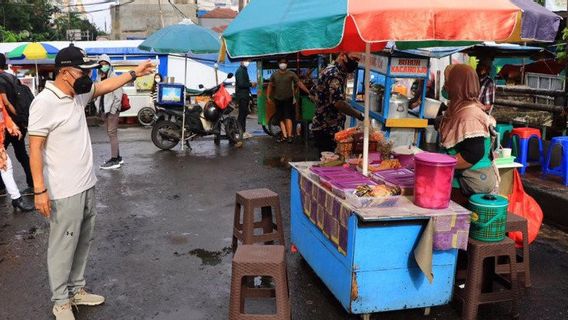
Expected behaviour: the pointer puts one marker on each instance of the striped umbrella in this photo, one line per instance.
(271, 27)
(33, 51)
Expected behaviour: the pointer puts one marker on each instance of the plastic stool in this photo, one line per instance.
(503, 129)
(524, 135)
(268, 201)
(562, 170)
(518, 223)
(257, 260)
(479, 276)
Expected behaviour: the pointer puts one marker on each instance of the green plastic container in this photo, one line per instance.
(488, 217)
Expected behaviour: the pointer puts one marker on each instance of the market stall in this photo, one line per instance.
(306, 68)
(374, 248)
(389, 104)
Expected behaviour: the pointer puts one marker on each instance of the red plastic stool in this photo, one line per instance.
(524, 135)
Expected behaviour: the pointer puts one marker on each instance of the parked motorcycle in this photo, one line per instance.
(199, 122)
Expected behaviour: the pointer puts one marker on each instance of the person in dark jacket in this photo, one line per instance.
(242, 95)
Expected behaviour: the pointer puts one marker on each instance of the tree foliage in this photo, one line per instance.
(38, 20)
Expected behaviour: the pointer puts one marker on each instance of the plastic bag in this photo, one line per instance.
(521, 204)
(124, 103)
(222, 97)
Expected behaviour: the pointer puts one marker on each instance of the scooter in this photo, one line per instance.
(199, 122)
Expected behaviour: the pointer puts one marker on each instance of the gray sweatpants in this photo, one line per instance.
(72, 225)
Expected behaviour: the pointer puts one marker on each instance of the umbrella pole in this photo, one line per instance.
(183, 109)
(36, 87)
(366, 122)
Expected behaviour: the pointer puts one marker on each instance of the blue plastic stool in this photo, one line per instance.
(562, 170)
(523, 136)
(503, 129)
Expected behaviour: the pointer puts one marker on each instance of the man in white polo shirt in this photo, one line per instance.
(61, 159)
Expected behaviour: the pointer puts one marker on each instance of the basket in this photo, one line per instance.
(488, 218)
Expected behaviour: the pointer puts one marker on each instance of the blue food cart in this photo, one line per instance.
(374, 259)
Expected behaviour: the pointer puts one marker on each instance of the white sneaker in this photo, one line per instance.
(63, 312)
(247, 135)
(83, 298)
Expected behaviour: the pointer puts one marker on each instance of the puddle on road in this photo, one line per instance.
(28, 234)
(278, 162)
(178, 238)
(210, 258)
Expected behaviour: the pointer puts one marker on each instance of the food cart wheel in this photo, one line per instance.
(146, 116)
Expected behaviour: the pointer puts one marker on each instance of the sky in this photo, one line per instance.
(102, 14)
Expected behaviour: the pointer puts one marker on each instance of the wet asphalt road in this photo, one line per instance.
(164, 230)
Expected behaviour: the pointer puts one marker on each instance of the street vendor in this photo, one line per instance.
(465, 134)
(487, 85)
(329, 96)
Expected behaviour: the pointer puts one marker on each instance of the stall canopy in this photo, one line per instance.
(270, 27)
(284, 26)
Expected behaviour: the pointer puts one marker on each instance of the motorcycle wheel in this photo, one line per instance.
(146, 116)
(274, 126)
(163, 134)
(233, 130)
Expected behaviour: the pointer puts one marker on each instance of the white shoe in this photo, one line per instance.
(83, 298)
(63, 312)
(247, 135)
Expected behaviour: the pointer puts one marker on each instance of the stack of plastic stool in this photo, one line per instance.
(562, 170)
(524, 135)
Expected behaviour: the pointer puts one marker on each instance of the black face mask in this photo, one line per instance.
(350, 65)
(83, 84)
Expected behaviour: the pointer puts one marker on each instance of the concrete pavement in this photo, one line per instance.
(164, 230)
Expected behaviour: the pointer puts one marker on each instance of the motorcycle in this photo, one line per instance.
(199, 122)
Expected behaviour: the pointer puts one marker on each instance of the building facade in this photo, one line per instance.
(139, 19)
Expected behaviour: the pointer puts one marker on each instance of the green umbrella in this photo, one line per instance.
(185, 37)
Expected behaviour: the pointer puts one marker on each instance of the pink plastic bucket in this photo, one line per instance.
(433, 180)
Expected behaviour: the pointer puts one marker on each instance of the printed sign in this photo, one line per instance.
(408, 67)
(378, 63)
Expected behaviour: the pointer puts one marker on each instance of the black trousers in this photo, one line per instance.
(243, 111)
(21, 154)
(324, 141)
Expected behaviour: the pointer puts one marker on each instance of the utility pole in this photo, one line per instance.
(161, 14)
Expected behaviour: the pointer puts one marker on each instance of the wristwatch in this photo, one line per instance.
(133, 74)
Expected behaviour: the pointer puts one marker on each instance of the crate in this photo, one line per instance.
(545, 81)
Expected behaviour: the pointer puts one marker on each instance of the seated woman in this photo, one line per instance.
(465, 134)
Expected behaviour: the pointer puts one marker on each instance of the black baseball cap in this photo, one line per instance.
(74, 57)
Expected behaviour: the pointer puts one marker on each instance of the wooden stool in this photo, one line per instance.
(268, 201)
(518, 223)
(481, 275)
(259, 260)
